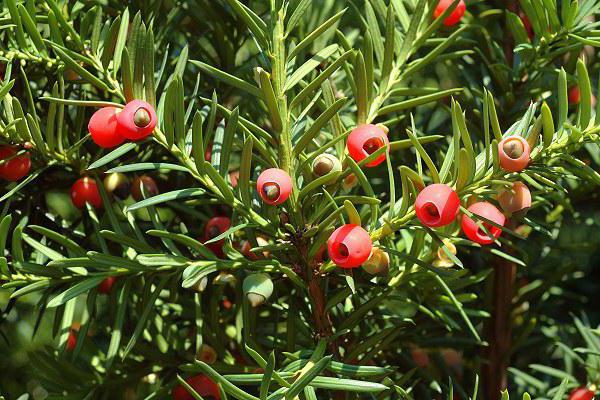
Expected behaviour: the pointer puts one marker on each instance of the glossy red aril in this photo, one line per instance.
(137, 120)
(515, 199)
(202, 384)
(17, 167)
(488, 211)
(104, 128)
(349, 246)
(227, 304)
(456, 14)
(581, 393)
(85, 190)
(574, 95)
(514, 152)
(274, 186)
(437, 205)
(366, 139)
(72, 338)
(214, 227)
(106, 285)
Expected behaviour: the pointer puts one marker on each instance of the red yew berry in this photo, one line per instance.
(581, 393)
(364, 140)
(420, 357)
(214, 227)
(456, 14)
(71, 340)
(85, 190)
(437, 205)
(137, 120)
(488, 211)
(349, 246)
(514, 153)
(227, 304)
(15, 168)
(452, 358)
(515, 199)
(274, 186)
(104, 128)
(202, 384)
(574, 95)
(106, 285)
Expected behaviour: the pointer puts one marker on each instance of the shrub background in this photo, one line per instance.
(197, 61)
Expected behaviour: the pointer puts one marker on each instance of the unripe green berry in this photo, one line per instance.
(200, 286)
(378, 263)
(441, 258)
(258, 288)
(324, 164)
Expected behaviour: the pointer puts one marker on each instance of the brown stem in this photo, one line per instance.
(498, 330)
(321, 318)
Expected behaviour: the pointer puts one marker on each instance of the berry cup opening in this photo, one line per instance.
(271, 191)
(432, 214)
(513, 148)
(490, 228)
(372, 145)
(141, 117)
(343, 251)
